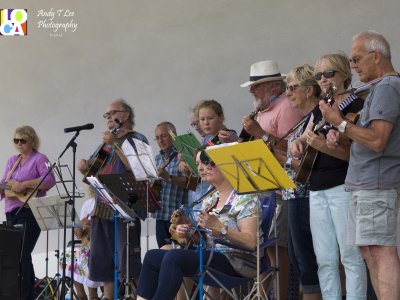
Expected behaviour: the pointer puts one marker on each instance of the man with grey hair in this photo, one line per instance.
(173, 191)
(109, 159)
(374, 168)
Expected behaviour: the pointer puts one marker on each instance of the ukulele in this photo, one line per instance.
(244, 135)
(100, 156)
(156, 187)
(21, 196)
(180, 216)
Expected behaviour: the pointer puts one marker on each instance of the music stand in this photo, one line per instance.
(143, 166)
(130, 194)
(127, 198)
(49, 212)
(250, 167)
(53, 212)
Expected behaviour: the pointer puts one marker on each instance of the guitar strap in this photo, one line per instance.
(13, 168)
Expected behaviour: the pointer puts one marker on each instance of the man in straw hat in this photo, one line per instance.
(274, 117)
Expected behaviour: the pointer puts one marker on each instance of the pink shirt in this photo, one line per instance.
(34, 167)
(279, 117)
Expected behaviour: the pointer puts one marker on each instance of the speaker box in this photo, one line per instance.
(10, 257)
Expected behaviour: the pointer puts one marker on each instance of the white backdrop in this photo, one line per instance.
(162, 57)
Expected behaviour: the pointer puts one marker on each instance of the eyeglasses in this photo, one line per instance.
(17, 141)
(206, 160)
(327, 74)
(292, 87)
(356, 59)
(111, 113)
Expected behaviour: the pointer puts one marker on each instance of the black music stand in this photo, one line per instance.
(131, 195)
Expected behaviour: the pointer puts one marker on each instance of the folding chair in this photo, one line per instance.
(227, 283)
(268, 218)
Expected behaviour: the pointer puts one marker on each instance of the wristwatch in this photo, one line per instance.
(342, 126)
(224, 231)
(265, 137)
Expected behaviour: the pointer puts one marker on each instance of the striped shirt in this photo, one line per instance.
(172, 196)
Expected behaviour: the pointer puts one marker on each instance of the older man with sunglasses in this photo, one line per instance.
(374, 168)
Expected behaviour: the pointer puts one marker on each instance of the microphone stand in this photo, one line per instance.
(71, 201)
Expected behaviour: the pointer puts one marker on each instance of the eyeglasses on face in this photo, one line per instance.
(111, 113)
(327, 74)
(17, 141)
(206, 160)
(356, 59)
(292, 87)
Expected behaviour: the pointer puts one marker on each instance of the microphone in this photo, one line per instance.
(88, 126)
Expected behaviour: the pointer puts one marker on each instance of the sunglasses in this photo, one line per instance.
(292, 88)
(17, 141)
(327, 74)
(206, 160)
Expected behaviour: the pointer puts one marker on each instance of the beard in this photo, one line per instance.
(261, 104)
(257, 104)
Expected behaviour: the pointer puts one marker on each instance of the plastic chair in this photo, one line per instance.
(217, 279)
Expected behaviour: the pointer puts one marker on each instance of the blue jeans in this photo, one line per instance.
(328, 220)
(300, 245)
(163, 271)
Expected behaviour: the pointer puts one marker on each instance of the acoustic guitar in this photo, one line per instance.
(308, 159)
(310, 154)
(21, 196)
(100, 156)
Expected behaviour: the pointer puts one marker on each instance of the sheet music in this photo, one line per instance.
(49, 212)
(96, 184)
(141, 160)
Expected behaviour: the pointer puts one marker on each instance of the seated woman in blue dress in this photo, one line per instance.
(225, 214)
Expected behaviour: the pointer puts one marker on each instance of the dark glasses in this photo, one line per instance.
(327, 74)
(22, 141)
(206, 160)
(292, 88)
